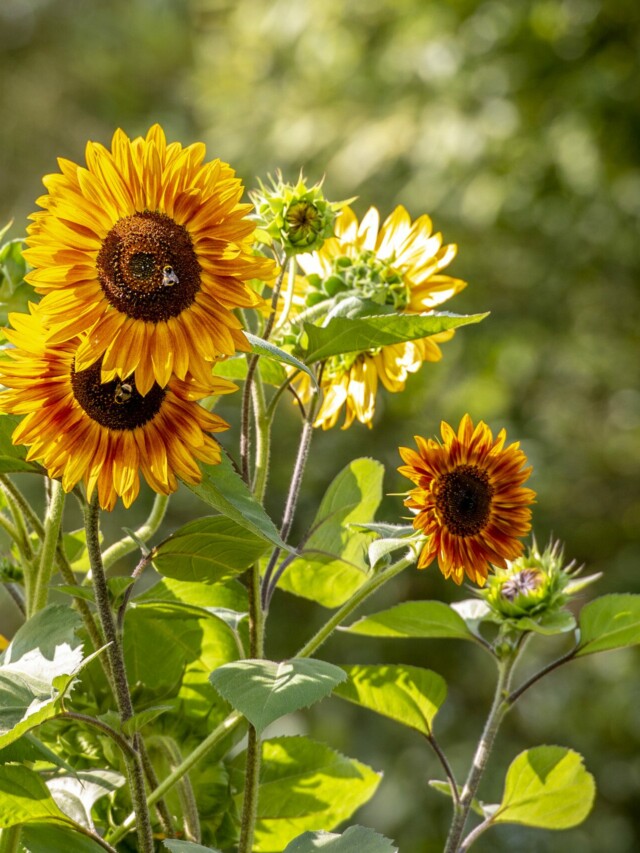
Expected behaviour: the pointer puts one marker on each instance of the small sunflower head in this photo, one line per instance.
(532, 590)
(297, 216)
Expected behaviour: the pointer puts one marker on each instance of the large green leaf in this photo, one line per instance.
(334, 560)
(170, 651)
(304, 785)
(264, 690)
(609, 622)
(408, 694)
(356, 839)
(47, 838)
(175, 846)
(223, 489)
(209, 550)
(414, 619)
(347, 334)
(24, 797)
(232, 594)
(12, 456)
(37, 669)
(548, 787)
(77, 793)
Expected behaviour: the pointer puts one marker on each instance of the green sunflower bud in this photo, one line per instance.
(530, 594)
(298, 217)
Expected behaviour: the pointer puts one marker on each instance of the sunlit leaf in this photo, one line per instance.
(264, 690)
(407, 694)
(342, 334)
(269, 350)
(50, 838)
(413, 619)
(223, 489)
(76, 793)
(304, 785)
(609, 622)
(209, 550)
(176, 846)
(334, 563)
(548, 787)
(356, 839)
(24, 797)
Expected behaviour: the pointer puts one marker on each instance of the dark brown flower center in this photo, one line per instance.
(463, 500)
(147, 267)
(115, 405)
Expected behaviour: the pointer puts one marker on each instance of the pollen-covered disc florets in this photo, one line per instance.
(104, 433)
(469, 499)
(147, 250)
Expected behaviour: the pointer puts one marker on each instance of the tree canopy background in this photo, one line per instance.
(516, 126)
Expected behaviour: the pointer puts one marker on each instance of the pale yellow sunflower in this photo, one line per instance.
(104, 434)
(148, 251)
(469, 498)
(396, 264)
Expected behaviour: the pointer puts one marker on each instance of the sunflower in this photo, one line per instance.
(469, 499)
(148, 251)
(397, 265)
(104, 433)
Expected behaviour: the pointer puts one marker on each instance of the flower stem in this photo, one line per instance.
(10, 839)
(116, 660)
(497, 713)
(367, 589)
(144, 532)
(52, 523)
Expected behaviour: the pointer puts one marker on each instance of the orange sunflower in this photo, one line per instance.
(396, 264)
(104, 434)
(469, 498)
(148, 251)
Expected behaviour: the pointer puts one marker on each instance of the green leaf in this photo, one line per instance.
(264, 690)
(609, 622)
(54, 626)
(29, 748)
(48, 838)
(142, 718)
(13, 458)
(548, 624)
(208, 550)
(175, 846)
(24, 797)
(380, 549)
(32, 687)
(333, 564)
(407, 694)
(171, 652)
(265, 348)
(413, 619)
(345, 334)
(76, 793)
(223, 489)
(304, 785)
(231, 595)
(356, 839)
(443, 787)
(548, 787)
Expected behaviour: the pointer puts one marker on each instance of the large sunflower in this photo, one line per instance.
(470, 499)
(398, 265)
(104, 434)
(148, 250)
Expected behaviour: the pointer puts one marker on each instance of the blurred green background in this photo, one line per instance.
(516, 125)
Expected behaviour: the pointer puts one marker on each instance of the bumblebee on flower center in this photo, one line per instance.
(115, 405)
(141, 260)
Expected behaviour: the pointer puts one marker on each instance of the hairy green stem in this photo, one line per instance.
(47, 562)
(116, 660)
(227, 726)
(144, 532)
(170, 751)
(121, 742)
(497, 713)
(263, 441)
(368, 588)
(9, 487)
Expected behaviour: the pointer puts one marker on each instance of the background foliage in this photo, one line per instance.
(516, 126)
